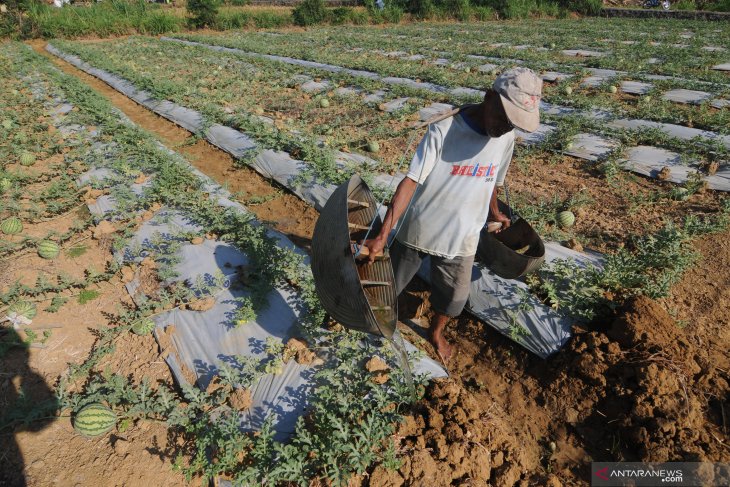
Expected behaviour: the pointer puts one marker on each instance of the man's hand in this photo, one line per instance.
(501, 218)
(398, 206)
(374, 247)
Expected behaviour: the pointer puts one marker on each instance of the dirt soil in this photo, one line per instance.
(651, 384)
(647, 386)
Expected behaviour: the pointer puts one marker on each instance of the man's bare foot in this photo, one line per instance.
(442, 346)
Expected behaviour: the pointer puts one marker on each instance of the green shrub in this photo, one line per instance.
(422, 9)
(518, 9)
(483, 13)
(265, 19)
(546, 8)
(341, 15)
(588, 7)
(721, 6)
(310, 12)
(360, 17)
(157, 23)
(203, 13)
(685, 5)
(458, 9)
(393, 14)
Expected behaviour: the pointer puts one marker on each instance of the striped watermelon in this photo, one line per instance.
(566, 219)
(23, 308)
(27, 159)
(5, 184)
(11, 226)
(143, 327)
(94, 420)
(48, 249)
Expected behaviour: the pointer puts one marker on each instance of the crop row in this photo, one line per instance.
(349, 51)
(215, 100)
(533, 42)
(706, 148)
(264, 99)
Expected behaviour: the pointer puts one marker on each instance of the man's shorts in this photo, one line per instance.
(450, 278)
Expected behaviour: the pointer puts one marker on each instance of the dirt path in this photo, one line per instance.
(282, 210)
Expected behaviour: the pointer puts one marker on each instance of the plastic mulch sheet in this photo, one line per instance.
(196, 343)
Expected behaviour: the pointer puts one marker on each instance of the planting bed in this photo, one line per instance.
(645, 376)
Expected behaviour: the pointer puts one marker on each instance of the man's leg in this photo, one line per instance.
(450, 280)
(406, 263)
(436, 336)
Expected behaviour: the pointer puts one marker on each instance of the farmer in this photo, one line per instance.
(448, 194)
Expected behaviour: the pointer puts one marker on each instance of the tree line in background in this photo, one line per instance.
(25, 19)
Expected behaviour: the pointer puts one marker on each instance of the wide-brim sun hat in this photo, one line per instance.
(520, 90)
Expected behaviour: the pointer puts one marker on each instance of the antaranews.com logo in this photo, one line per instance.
(619, 474)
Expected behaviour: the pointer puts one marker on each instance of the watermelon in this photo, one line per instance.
(566, 219)
(48, 249)
(143, 327)
(7, 124)
(21, 137)
(568, 90)
(373, 146)
(612, 89)
(11, 226)
(94, 420)
(5, 184)
(23, 308)
(27, 159)
(324, 103)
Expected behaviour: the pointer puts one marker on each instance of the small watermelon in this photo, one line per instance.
(373, 146)
(5, 184)
(21, 137)
(94, 420)
(27, 159)
(143, 327)
(324, 103)
(11, 226)
(48, 249)
(7, 124)
(612, 89)
(23, 308)
(566, 219)
(568, 90)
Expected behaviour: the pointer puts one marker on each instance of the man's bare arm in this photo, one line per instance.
(495, 215)
(398, 206)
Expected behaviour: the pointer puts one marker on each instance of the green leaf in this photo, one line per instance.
(77, 251)
(88, 295)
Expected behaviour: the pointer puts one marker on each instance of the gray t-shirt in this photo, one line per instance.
(457, 168)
